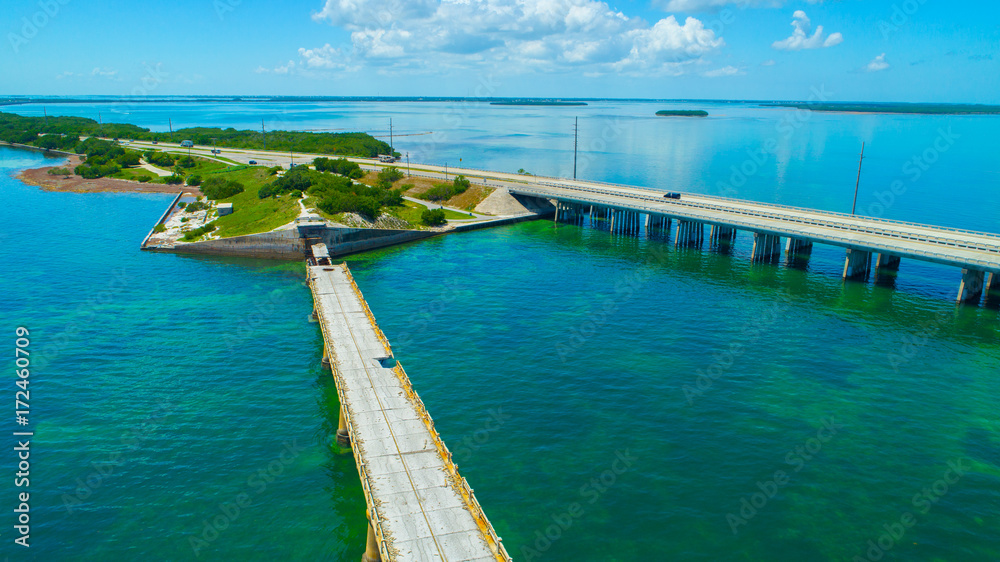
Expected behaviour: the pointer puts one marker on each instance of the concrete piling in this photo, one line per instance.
(766, 247)
(991, 289)
(371, 546)
(886, 266)
(343, 435)
(857, 265)
(970, 290)
(722, 235)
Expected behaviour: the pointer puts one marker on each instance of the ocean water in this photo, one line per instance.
(608, 397)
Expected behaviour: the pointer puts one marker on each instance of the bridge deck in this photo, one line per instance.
(947, 246)
(420, 508)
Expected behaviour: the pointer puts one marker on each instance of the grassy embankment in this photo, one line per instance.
(251, 214)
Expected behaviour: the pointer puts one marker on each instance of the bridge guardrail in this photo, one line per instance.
(841, 241)
(793, 218)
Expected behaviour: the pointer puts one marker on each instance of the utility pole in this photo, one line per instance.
(101, 123)
(170, 124)
(391, 151)
(858, 183)
(576, 138)
(263, 133)
(46, 113)
(445, 171)
(407, 164)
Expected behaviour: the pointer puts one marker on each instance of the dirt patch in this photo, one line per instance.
(48, 182)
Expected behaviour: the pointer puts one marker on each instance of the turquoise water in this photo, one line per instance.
(608, 398)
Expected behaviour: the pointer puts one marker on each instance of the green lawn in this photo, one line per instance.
(250, 213)
(411, 211)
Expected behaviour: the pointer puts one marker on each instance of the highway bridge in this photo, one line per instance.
(874, 247)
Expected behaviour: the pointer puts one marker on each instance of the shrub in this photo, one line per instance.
(198, 232)
(181, 205)
(174, 180)
(186, 162)
(197, 206)
(443, 191)
(296, 194)
(143, 178)
(432, 217)
(60, 172)
(340, 166)
(273, 170)
(159, 158)
(216, 188)
(159, 228)
(194, 179)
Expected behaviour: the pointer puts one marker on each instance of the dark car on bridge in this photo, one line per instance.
(672, 195)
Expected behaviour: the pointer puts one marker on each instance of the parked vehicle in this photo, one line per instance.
(253, 162)
(187, 143)
(672, 195)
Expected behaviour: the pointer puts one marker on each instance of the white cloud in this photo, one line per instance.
(282, 69)
(724, 71)
(877, 64)
(324, 57)
(768, 63)
(516, 34)
(104, 72)
(801, 39)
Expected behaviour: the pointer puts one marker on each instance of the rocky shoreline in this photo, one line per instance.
(74, 183)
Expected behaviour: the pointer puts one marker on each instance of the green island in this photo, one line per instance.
(36, 131)
(682, 113)
(262, 198)
(539, 102)
(903, 108)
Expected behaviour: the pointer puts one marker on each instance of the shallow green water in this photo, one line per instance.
(608, 398)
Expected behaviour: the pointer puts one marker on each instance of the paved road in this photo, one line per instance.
(955, 247)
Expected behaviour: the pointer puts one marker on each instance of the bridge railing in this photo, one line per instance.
(371, 317)
(760, 203)
(837, 240)
(375, 516)
(461, 484)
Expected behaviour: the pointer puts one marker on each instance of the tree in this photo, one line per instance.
(433, 217)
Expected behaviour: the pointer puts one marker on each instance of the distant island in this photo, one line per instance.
(538, 102)
(682, 113)
(902, 108)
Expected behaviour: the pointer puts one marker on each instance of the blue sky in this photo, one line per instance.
(866, 50)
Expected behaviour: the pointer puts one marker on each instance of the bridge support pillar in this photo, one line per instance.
(372, 553)
(857, 265)
(970, 290)
(722, 234)
(797, 246)
(766, 247)
(689, 233)
(343, 436)
(886, 266)
(326, 360)
(991, 289)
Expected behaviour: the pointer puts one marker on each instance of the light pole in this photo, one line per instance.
(407, 164)
(445, 171)
(858, 183)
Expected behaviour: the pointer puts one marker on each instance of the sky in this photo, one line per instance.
(855, 50)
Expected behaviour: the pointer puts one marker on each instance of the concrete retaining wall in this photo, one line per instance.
(281, 245)
(288, 245)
